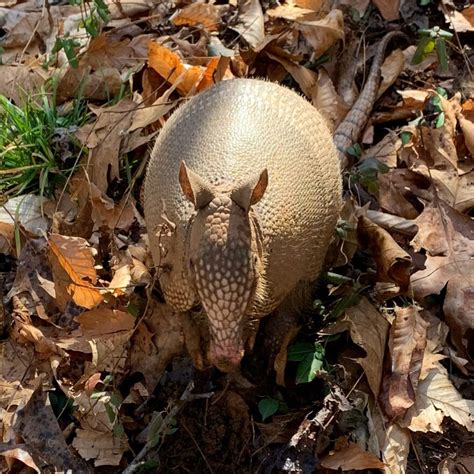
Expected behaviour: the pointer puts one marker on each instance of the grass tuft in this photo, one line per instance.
(37, 146)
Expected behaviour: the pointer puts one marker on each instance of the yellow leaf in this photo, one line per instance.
(73, 270)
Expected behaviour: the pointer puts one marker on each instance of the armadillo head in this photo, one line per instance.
(225, 258)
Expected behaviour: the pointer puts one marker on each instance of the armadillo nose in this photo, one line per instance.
(226, 358)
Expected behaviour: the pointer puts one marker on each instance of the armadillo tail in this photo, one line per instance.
(351, 127)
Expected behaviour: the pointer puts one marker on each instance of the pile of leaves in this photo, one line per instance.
(97, 371)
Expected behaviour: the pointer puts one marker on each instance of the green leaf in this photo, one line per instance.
(370, 165)
(116, 399)
(107, 379)
(119, 430)
(405, 137)
(440, 120)
(425, 46)
(298, 352)
(111, 413)
(423, 3)
(442, 92)
(354, 150)
(98, 395)
(310, 366)
(268, 407)
(442, 54)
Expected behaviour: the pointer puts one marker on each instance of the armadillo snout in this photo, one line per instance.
(226, 357)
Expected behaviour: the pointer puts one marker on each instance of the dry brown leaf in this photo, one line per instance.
(393, 263)
(147, 115)
(155, 342)
(203, 14)
(406, 345)
(98, 75)
(468, 13)
(467, 127)
(120, 283)
(30, 285)
(458, 309)
(102, 321)
(395, 450)
(314, 5)
(73, 270)
(105, 140)
(19, 452)
(30, 78)
(400, 190)
(109, 352)
(100, 445)
(369, 330)
(291, 12)
(437, 398)
(251, 22)
(389, 9)
(460, 21)
(447, 237)
(385, 151)
(305, 78)
(36, 423)
(348, 456)
(391, 69)
(328, 101)
(43, 344)
(322, 34)
(106, 213)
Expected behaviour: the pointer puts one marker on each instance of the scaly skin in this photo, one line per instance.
(349, 130)
(223, 239)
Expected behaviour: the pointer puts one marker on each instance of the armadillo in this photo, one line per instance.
(241, 198)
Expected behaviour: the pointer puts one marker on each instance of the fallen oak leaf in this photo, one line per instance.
(447, 237)
(437, 398)
(73, 270)
(207, 15)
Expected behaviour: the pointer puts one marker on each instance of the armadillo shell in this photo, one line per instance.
(227, 134)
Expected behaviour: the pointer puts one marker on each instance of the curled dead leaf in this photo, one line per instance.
(406, 345)
(393, 263)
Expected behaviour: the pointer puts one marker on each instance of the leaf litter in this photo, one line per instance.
(96, 363)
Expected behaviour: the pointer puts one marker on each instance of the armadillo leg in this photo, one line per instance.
(282, 326)
(194, 340)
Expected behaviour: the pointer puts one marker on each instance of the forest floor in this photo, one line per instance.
(95, 373)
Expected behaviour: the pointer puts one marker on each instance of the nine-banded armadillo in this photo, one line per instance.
(242, 194)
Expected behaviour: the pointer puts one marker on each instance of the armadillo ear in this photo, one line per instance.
(251, 191)
(194, 187)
